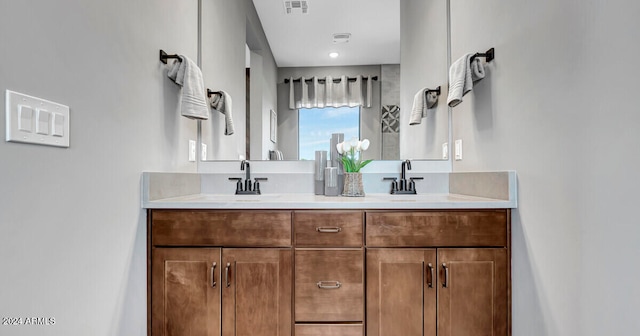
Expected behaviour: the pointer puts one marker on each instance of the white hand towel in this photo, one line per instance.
(477, 70)
(193, 103)
(460, 80)
(422, 101)
(221, 102)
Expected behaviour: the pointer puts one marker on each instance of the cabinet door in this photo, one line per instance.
(184, 299)
(401, 292)
(472, 293)
(256, 292)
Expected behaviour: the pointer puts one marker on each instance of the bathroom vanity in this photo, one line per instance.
(309, 265)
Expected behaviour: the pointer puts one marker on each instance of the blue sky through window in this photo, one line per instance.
(316, 125)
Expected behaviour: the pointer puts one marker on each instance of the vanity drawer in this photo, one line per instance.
(329, 329)
(437, 228)
(328, 228)
(329, 285)
(261, 228)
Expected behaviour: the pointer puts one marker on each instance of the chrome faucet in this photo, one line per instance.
(406, 165)
(403, 187)
(248, 187)
(244, 164)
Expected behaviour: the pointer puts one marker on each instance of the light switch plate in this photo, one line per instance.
(445, 151)
(203, 154)
(458, 150)
(29, 120)
(192, 150)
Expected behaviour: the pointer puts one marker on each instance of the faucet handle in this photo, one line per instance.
(394, 183)
(256, 185)
(412, 183)
(238, 183)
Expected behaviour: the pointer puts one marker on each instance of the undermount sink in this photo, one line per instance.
(235, 198)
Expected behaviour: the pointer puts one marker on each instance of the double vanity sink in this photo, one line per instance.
(491, 190)
(300, 264)
(310, 201)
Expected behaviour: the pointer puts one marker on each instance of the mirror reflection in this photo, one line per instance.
(372, 41)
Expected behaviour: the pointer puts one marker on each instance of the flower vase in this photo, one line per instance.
(353, 185)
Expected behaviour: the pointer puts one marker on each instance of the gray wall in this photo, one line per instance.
(558, 105)
(424, 59)
(263, 93)
(72, 241)
(223, 67)
(370, 127)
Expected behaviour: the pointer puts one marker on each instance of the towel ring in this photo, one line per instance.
(164, 56)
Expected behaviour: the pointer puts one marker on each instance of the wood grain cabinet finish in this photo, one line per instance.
(401, 292)
(329, 330)
(292, 272)
(436, 228)
(183, 301)
(328, 228)
(329, 285)
(256, 292)
(472, 298)
(256, 228)
(444, 273)
(205, 288)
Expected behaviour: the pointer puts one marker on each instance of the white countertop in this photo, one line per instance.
(310, 201)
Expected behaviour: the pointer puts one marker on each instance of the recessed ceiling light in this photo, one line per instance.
(333, 54)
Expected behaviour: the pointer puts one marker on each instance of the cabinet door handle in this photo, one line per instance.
(329, 284)
(430, 275)
(445, 283)
(328, 229)
(213, 274)
(226, 274)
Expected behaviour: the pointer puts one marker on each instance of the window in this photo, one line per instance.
(315, 126)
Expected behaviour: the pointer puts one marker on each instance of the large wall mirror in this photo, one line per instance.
(403, 43)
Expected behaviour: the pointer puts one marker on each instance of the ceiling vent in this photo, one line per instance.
(296, 7)
(341, 37)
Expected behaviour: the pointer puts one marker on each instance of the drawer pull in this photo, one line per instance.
(226, 274)
(328, 229)
(430, 275)
(445, 283)
(329, 284)
(213, 275)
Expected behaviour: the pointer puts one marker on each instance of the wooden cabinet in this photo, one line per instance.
(183, 297)
(435, 290)
(401, 292)
(256, 292)
(329, 272)
(472, 292)
(207, 290)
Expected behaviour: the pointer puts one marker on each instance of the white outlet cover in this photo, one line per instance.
(42, 129)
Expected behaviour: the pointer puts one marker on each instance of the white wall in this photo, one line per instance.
(558, 105)
(72, 241)
(223, 67)
(424, 59)
(263, 93)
